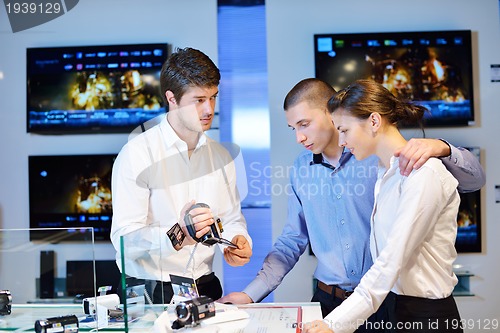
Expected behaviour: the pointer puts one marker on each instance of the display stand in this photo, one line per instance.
(463, 286)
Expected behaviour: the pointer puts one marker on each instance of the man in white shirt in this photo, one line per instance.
(158, 176)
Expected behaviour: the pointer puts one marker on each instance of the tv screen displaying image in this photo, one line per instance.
(71, 191)
(93, 89)
(469, 218)
(432, 68)
(469, 223)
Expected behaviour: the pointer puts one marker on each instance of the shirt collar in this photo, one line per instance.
(393, 167)
(171, 138)
(318, 159)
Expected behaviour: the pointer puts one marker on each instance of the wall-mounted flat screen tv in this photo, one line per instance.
(70, 191)
(93, 89)
(469, 223)
(432, 68)
(469, 218)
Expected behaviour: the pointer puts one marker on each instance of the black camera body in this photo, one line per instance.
(210, 238)
(5, 302)
(66, 324)
(189, 313)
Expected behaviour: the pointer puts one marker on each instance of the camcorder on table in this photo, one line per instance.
(190, 313)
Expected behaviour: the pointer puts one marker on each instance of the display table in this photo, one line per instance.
(260, 317)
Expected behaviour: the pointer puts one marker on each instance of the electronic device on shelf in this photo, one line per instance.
(73, 192)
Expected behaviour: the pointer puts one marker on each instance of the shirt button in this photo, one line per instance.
(339, 196)
(347, 246)
(342, 222)
(353, 273)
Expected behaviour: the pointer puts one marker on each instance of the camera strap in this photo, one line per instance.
(191, 258)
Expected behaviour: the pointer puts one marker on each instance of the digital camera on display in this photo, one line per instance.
(110, 302)
(210, 238)
(189, 313)
(5, 302)
(65, 324)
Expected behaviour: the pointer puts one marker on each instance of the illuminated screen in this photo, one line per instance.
(433, 69)
(469, 223)
(93, 89)
(469, 218)
(71, 191)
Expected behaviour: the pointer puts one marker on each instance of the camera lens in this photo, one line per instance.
(182, 312)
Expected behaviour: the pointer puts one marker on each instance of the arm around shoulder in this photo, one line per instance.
(466, 168)
(460, 162)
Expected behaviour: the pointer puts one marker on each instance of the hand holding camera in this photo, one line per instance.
(198, 226)
(197, 219)
(179, 234)
(203, 227)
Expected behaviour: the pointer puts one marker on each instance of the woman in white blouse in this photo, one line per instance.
(413, 221)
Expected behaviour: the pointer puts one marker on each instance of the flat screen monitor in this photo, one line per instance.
(80, 277)
(93, 89)
(469, 218)
(70, 191)
(469, 223)
(432, 68)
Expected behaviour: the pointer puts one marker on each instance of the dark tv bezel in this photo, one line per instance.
(467, 38)
(471, 201)
(75, 231)
(86, 128)
(80, 277)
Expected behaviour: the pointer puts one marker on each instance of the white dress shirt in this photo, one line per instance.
(152, 179)
(413, 231)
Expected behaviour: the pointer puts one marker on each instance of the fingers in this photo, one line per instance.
(236, 298)
(235, 260)
(417, 151)
(413, 155)
(239, 256)
(202, 223)
(202, 218)
(317, 326)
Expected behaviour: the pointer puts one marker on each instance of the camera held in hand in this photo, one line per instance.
(210, 238)
(189, 313)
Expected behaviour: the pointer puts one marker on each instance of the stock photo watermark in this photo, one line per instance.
(275, 181)
(25, 15)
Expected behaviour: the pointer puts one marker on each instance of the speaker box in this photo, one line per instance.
(47, 274)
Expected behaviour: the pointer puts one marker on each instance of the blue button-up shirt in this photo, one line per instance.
(330, 209)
